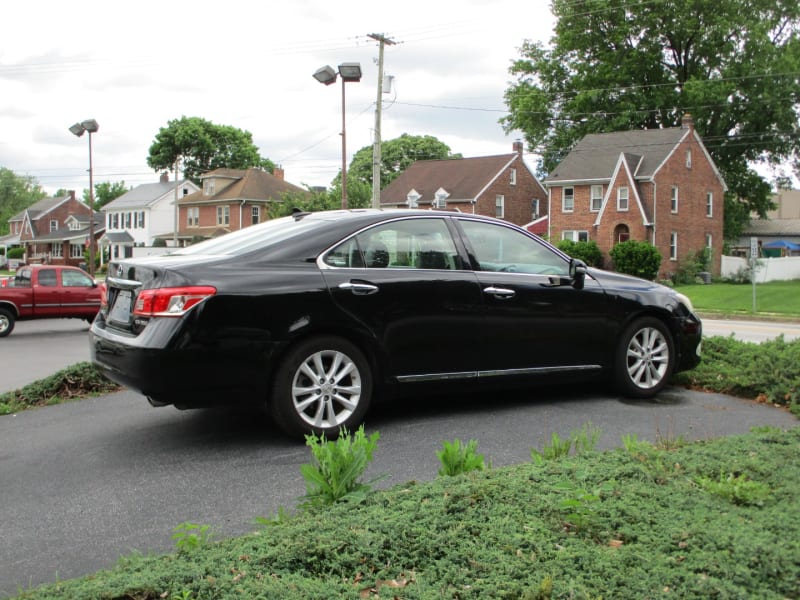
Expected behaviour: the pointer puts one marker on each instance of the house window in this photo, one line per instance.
(673, 245)
(75, 250)
(223, 215)
(116, 221)
(568, 200)
(575, 235)
(193, 216)
(621, 233)
(185, 191)
(596, 199)
(513, 177)
(57, 250)
(673, 199)
(256, 215)
(499, 202)
(709, 204)
(689, 158)
(622, 198)
(708, 241)
(208, 187)
(141, 219)
(534, 209)
(53, 224)
(127, 220)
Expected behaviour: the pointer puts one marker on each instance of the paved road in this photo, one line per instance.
(86, 482)
(751, 331)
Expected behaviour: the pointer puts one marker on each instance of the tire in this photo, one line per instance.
(7, 321)
(645, 358)
(322, 386)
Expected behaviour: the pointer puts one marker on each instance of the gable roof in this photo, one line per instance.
(40, 208)
(626, 164)
(595, 156)
(464, 178)
(146, 194)
(247, 184)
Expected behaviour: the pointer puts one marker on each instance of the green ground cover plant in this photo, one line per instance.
(772, 298)
(457, 458)
(635, 522)
(767, 372)
(74, 382)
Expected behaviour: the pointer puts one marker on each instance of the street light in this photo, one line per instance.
(78, 129)
(349, 72)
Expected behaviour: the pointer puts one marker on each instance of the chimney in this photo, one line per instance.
(72, 194)
(278, 172)
(517, 147)
(687, 122)
(164, 177)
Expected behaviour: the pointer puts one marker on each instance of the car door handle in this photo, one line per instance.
(500, 293)
(359, 289)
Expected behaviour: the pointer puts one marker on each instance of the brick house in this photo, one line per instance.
(654, 185)
(231, 199)
(498, 186)
(55, 230)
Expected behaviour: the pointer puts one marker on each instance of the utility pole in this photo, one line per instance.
(376, 146)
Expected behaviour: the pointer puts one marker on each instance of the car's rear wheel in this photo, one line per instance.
(6, 322)
(322, 386)
(645, 358)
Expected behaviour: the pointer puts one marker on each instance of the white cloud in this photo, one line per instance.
(135, 67)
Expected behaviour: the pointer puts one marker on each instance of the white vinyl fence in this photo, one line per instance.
(767, 269)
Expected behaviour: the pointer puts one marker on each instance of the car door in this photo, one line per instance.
(80, 295)
(536, 321)
(405, 282)
(47, 292)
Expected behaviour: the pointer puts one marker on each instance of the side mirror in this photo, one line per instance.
(577, 273)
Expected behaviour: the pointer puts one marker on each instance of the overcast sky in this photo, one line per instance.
(135, 66)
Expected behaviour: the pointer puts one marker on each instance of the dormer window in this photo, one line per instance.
(208, 187)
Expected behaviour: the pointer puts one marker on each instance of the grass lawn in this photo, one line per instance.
(778, 298)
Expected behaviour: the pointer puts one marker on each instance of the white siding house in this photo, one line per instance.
(141, 215)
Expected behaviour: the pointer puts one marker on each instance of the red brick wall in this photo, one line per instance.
(517, 197)
(690, 222)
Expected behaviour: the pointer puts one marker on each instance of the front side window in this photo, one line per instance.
(75, 279)
(48, 278)
(568, 199)
(596, 202)
(499, 248)
(622, 198)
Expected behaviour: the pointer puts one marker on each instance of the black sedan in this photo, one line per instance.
(316, 314)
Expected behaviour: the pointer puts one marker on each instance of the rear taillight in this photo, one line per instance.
(170, 302)
(103, 295)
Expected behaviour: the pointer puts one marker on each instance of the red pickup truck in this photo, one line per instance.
(48, 292)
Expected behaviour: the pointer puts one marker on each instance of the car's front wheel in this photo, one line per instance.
(645, 358)
(6, 322)
(322, 386)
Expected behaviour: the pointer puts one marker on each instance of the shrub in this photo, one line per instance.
(457, 458)
(334, 476)
(589, 252)
(16, 252)
(636, 258)
(692, 265)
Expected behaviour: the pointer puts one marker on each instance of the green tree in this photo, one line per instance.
(203, 146)
(396, 156)
(616, 65)
(16, 194)
(105, 192)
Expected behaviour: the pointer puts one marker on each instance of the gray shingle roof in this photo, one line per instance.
(773, 227)
(143, 195)
(596, 155)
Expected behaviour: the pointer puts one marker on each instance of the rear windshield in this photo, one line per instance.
(255, 237)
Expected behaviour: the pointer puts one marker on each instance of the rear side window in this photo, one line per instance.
(402, 244)
(75, 279)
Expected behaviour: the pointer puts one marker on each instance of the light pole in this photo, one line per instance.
(348, 72)
(91, 126)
